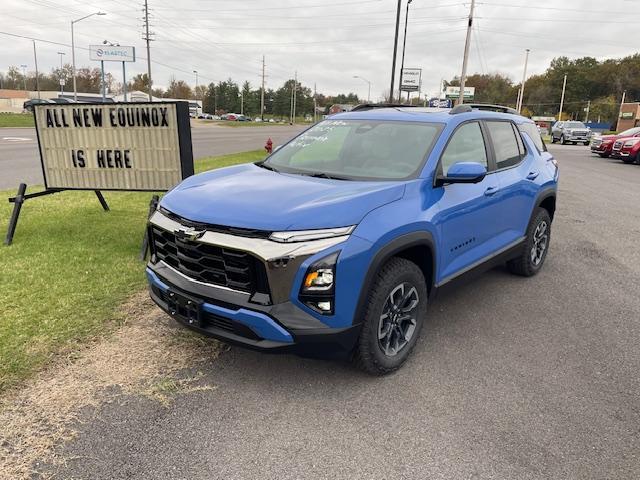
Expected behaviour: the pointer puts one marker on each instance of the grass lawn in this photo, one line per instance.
(70, 266)
(16, 120)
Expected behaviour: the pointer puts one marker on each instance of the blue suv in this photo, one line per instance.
(337, 241)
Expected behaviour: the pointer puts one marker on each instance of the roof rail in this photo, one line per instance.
(467, 107)
(371, 106)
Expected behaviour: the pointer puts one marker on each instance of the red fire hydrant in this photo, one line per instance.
(269, 145)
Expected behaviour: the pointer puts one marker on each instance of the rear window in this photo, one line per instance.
(532, 130)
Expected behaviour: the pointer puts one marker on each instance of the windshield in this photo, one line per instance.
(574, 125)
(358, 150)
(630, 133)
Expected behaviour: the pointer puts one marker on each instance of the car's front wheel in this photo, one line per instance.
(586, 144)
(394, 315)
(604, 155)
(562, 140)
(535, 246)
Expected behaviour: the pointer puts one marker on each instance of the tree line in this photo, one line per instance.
(596, 84)
(222, 97)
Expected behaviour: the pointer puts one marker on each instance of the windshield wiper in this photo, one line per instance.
(266, 166)
(324, 175)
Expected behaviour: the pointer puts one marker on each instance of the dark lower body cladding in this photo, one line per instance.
(227, 316)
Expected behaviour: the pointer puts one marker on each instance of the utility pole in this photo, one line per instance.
(148, 39)
(624, 95)
(395, 51)
(291, 108)
(586, 117)
(295, 94)
(466, 53)
(404, 44)
(524, 76)
(564, 86)
(196, 95)
(315, 102)
(262, 93)
(61, 80)
(35, 59)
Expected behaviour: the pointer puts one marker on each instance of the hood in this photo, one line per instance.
(247, 196)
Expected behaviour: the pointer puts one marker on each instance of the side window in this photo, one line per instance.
(523, 151)
(466, 145)
(504, 144)
(531, 130)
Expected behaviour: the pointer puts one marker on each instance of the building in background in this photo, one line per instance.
(629, 116)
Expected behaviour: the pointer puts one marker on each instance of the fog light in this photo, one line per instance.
(324, 306)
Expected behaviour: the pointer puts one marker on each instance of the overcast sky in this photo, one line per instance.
(326, 41)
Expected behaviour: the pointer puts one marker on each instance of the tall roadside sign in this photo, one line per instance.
(113, 53)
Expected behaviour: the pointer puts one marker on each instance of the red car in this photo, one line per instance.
(603, 145)
(627, 149)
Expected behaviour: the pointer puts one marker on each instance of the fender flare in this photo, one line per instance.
(398, 244)
(541, 197)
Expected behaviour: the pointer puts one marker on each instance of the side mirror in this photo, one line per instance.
(463, 172)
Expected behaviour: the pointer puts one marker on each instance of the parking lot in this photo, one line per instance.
(512, 378)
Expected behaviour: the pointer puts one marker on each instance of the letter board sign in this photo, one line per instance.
(410, 79)
(117, 146)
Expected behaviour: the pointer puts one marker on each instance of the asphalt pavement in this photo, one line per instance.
(512, 378)
(20, 161)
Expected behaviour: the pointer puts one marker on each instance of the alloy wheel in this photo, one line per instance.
(397, 323)
(540, 241)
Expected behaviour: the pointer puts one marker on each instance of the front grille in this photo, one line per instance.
(617, 145)
(579, 133)
(206, 263)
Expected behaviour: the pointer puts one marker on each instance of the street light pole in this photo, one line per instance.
(73, 51)
(60, 79)
(369, 83)
(395, 51)
(404, 44)
(196, 95)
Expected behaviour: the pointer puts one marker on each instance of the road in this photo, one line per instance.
(20, 162)
(512, 378)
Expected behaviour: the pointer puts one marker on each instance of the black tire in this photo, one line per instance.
(628, 160)
(370, 354)
(586, 144)
(604, 155)
(525, 264)
(553, 139)
(562, 140)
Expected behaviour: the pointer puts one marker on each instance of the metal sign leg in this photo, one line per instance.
(17, 205)
(103, 202)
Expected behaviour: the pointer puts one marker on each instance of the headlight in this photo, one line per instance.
(632, 142)
(307, 235)
(318, 285)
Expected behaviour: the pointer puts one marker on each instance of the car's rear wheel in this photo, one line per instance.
(535, 246)
(394, 316)
(553, 139)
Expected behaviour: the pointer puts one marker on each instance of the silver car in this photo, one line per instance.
(570, 131)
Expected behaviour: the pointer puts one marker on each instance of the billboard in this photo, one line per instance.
(410, 79)
(454, 92)
(105, 53)
(127, 146)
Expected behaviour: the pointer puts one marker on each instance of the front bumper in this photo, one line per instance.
(624, 154)
(577, 138)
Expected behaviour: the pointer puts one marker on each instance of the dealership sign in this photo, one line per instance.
(128, 146)
(454, 92)
(440, 103)
(410, 79)
(105, 53)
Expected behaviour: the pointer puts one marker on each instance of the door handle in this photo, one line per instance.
(490, 191)
(533, 175)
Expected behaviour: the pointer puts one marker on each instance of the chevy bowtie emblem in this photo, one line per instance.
(188, 233)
